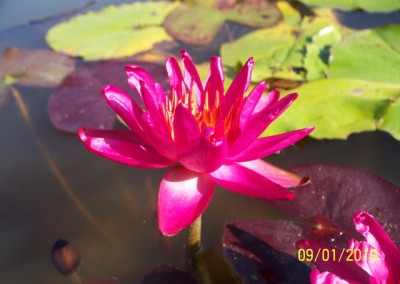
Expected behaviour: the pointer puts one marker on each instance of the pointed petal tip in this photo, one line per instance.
(81, 135)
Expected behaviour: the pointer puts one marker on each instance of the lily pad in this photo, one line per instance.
(340, 107)
(372, 55)
(77, 102)
(166, 274)
(366, 5)
(280, 51)
(198, 23)
(38, 68)
(323, 211)
(113, 32)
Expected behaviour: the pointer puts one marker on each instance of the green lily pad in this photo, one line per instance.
(366, 5)
(199, 22)
(340, 107)
(113, 32)
(286, 51)
(372, 55)
(38, 68)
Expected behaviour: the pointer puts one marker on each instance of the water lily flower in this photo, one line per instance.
(211, 135)
(374, 260)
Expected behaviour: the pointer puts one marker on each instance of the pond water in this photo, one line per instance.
(51, 187)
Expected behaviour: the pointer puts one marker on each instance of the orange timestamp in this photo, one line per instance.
(338, 255)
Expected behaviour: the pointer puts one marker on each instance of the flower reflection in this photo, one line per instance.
(376, 259)
(212, 136)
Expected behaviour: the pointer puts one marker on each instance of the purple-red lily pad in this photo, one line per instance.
(78, 101)
(38, 68)
(323, 211)
(166, 274)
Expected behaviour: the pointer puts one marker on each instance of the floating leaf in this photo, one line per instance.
(279, 51)
(166, 274)
(372, 55)
(247, 247)
(366, 5)
(65, 257)
(339, 107)
(77, 102)
(38, 68)
(324, 212)
(113, 32)
(199, 23)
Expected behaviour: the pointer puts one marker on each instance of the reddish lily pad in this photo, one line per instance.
(324, 212)
(207, 18)
(166, 274)
(38, 68)
(77, 102)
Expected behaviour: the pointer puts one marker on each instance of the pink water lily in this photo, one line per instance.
(374, 260)
(212, 136)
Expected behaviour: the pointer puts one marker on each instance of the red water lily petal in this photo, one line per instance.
(275, 174)
(122, 146)
(191, 77)
(125, 107)
(266, 101)
(259, 122)
(182, 198)
(174, 75)
(250, 102)
(205, 154)
(158, 137)
(139, 79)
(243, 180)
(265, 146)
(186, 128)
(214, 85)
(326, 277)
(377, 237)
(239, 85)
(344, 269)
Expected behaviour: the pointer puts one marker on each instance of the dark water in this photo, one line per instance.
(51, 188)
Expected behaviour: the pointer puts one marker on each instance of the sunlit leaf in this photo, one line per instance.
(372, 55)
(280, 51)
(78, 102)
(39, 68)
(366, 5)
(339, 107)
(199, 22)
(113, 32)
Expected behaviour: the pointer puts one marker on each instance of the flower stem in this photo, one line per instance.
(193, 242)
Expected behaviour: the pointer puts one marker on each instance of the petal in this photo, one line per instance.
(275, 174)
(175, 76)
(182, 198)
(191, 77)
(371, 260)
(240, 179)
(122, 146)
(214, 85)
(377, 237)
(265, 146)
(186, 128)
(326, 277)
(239, 85)
(259, 122)
(347, 270)
(125, 107)
(205, 154)
(143, 83)
(158, 136)
(250, 102)
(266, 100)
